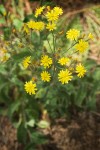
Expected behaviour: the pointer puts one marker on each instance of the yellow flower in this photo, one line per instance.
(58, 10)
(39, 11)
(52, 16)
(81, 46)
(26, 62)
(45, 76)
(80, 70)
(46, 61)
(90, 36)
(31, 24)
(72, 34)
(51, 26)
(30, 87)
(63, 61)
(39, 26)
(35, 25)
(64, 76)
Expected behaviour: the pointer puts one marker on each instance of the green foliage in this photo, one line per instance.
(2, 10)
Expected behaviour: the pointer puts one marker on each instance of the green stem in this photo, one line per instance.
(49, 45)
(54, 42)
(53, 52)
(54, 46)
(71, 47)
(31, 36)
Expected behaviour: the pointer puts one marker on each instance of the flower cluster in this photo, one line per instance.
(52, 16)
(53, 65)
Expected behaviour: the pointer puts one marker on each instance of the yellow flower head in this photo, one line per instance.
(26, 62)
(73, 34)
(90, 36)
(63, 61)
(30, 87)
(64, 76)
(39, 11)
(46, 61)
(35, 25)
(39, 26)
(31, 24)
(81, 46)
(52, 16)
(58, 10)
(45, 76)
(51, 26)
(80, 70)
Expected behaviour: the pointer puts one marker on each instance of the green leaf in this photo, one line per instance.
(41, 93)
(7, 32)
(2, 21)
(31, 123)
(17, 23)
(22, 134)
(43, 124)
(90, 64)
(2, 9)
(38, 138)
(96, 74)
(2, 68)
(81, 94)
(91, 103)
(29, 17)
(13, 107)
(20, 56)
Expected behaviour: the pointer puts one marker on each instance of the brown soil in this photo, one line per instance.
(8, 138)
(81, 132)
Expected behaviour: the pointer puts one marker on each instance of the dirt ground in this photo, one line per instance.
(81, 132)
